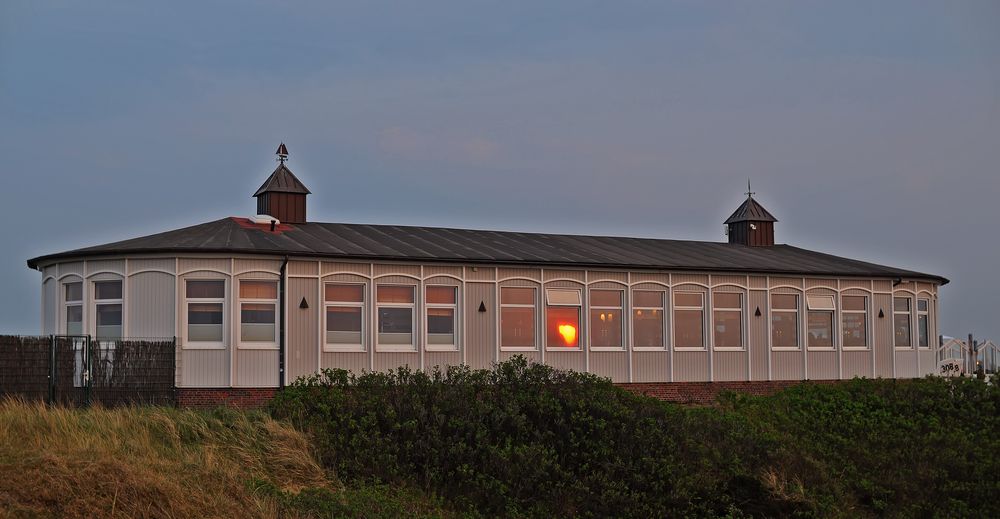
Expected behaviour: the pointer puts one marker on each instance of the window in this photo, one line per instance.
(344, 306)
(727, 312)
(647, 319)
(820, 321)
(785, 321)
(258, 313)
(205, 315)
(442, 305)
(923, 316)
(606, 319)
(562, 315)
(73, 301)
(689, 320)
(517, 318)
(108, 309)
(901, 322)
(395, 316)
(854, 313)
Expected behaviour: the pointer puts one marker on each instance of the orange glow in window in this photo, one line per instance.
(568, 332)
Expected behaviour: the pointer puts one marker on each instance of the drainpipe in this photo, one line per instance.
(281, 326)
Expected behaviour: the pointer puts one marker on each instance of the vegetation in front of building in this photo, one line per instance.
(518, 440)
(161, 462)
(526, 440)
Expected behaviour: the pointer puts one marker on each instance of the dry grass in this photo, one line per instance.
(147, 462)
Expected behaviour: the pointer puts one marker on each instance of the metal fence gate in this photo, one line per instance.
(80, 370)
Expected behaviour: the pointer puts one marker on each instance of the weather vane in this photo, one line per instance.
(749, 193)
(282, 153)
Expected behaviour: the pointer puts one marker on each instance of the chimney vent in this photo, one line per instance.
(751, 224)
(282, 195)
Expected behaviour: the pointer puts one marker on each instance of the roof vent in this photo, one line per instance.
(263, 219)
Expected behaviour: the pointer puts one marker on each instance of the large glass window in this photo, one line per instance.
(647, 319)
(517, 318)
(108, 307)
(901, 322)
(606, 319)
(820, 321)
(344, 306)
(73, 301)
(689, 320)
(562, 318)
(258, 312)
(854, 314)
(727, 312)
(442, 306)
(205, 312)
(785, 320)
(923, 323)
(395, 316)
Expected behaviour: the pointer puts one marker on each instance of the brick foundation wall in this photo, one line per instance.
(245, 398)
(706, 392)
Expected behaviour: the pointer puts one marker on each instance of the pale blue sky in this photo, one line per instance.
(870, 129)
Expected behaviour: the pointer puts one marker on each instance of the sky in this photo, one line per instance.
(869, 129)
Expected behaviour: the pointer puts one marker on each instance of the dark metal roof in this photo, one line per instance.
(392, 242)
(282, 181)
(751, 211)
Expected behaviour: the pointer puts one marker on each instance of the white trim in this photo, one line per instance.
(256, 345)
(623, 292)
(413, 346)
(701, 308)
(94, 303)
(185, 304)
(798, 322)
(326, 347)
(664, 294)
(499, 319)
(454, 307)
(744, 338)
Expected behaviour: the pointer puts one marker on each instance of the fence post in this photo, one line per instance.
(52, 370)
(89, 370)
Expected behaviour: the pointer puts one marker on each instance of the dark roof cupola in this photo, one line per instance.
(751, 224)
(282, 195)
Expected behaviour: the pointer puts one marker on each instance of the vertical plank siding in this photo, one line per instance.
(155, 306)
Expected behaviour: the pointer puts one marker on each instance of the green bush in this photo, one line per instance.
(906, 448)
(524, 439)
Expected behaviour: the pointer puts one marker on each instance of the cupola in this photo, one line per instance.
(751, 224)
(282, 196)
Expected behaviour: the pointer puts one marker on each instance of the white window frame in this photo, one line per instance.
(95, 303)
(926, 314)
(868, 324)
(413, 319)
(664, 327)
(534, 315)
(743, 321)
(456, 346)
(832, 311)
(66, 304)
(579, 321)
(798, 322)
(909, 319)
(257, 345)
(205, 345)
(704, 320)
(330, 347)
(621, 321)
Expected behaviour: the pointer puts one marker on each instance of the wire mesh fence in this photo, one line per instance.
(80, 370)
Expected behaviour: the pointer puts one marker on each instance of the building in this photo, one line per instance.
(256, 302)
(954, 357)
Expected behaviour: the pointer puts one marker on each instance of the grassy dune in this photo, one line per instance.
(157, 462)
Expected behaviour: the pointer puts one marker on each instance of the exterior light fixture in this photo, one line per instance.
(881, 314)
(757, 312)
(304, 304)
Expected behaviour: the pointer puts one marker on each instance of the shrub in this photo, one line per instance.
(524, 439)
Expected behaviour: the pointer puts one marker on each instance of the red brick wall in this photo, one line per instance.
(246, 398)
(706, 392)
